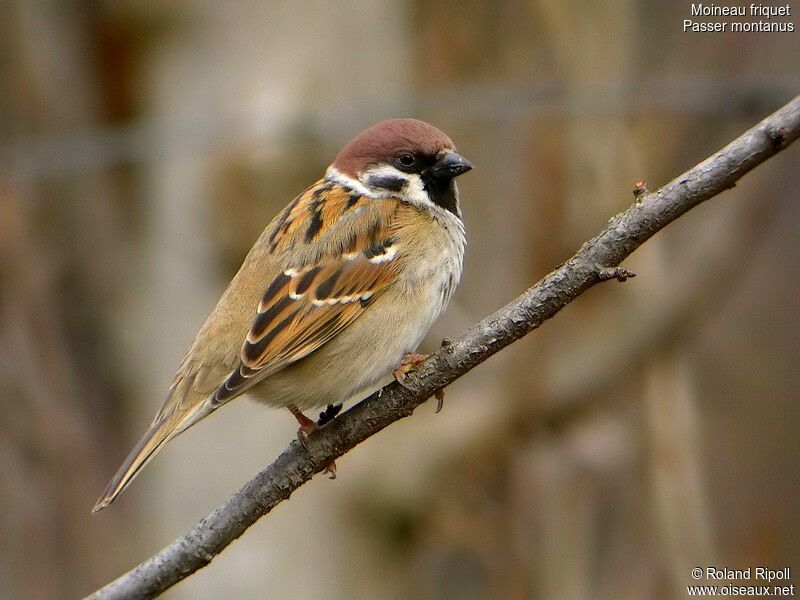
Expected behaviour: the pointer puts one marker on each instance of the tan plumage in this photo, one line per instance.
(338, 287)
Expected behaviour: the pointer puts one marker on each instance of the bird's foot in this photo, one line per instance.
(329, 414)
(409, 363)
(330, 469)
(325, 417)
(307, 427)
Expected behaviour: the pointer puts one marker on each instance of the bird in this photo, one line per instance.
(336, 293)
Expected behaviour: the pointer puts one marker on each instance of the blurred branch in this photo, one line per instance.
(596, 261)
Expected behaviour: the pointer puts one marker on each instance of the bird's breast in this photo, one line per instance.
(433, 256)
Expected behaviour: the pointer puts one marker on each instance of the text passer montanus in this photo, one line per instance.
(336, 293)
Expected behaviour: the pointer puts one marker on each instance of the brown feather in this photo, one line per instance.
(315, 269)
(305, 308)
(384, 140)
(308, 238)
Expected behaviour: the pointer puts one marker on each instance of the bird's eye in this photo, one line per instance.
(406, 159)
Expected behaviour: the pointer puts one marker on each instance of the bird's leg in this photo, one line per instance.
(307, 427)
(409, 362)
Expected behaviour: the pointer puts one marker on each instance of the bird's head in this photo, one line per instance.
(408, 159)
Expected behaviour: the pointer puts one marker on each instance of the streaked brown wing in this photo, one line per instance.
(306, 306)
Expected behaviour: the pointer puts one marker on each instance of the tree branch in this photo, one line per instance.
(596, 261)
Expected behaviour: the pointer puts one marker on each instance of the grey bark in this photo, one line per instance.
(597, 260)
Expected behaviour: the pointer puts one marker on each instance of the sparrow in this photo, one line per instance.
(336, 293)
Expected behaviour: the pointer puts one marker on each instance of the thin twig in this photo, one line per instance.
(594, 262)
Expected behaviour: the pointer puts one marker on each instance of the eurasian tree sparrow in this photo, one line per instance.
(339, 287)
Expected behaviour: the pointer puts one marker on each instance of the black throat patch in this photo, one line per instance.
(442, 192)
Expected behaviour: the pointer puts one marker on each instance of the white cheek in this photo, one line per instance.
(413, 191)
(334, 174)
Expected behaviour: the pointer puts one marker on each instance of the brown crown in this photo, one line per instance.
(385, 140)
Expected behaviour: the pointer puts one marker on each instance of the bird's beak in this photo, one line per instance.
(450, 164)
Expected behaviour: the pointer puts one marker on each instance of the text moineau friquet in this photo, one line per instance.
(739, 18)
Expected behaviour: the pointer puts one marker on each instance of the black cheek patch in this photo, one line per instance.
(393, 183)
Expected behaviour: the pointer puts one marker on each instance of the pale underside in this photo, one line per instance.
(353, 335)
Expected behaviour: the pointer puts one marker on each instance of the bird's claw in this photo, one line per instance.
(409, 363)
(304, 431)
(439, 395)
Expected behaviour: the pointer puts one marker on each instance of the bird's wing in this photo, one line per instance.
(325, 261)
(317, 296)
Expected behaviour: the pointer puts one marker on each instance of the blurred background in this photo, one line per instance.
(649, 428)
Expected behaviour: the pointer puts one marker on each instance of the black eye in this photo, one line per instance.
(406, 159)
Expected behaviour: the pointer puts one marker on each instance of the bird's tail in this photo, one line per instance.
(163, 428)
